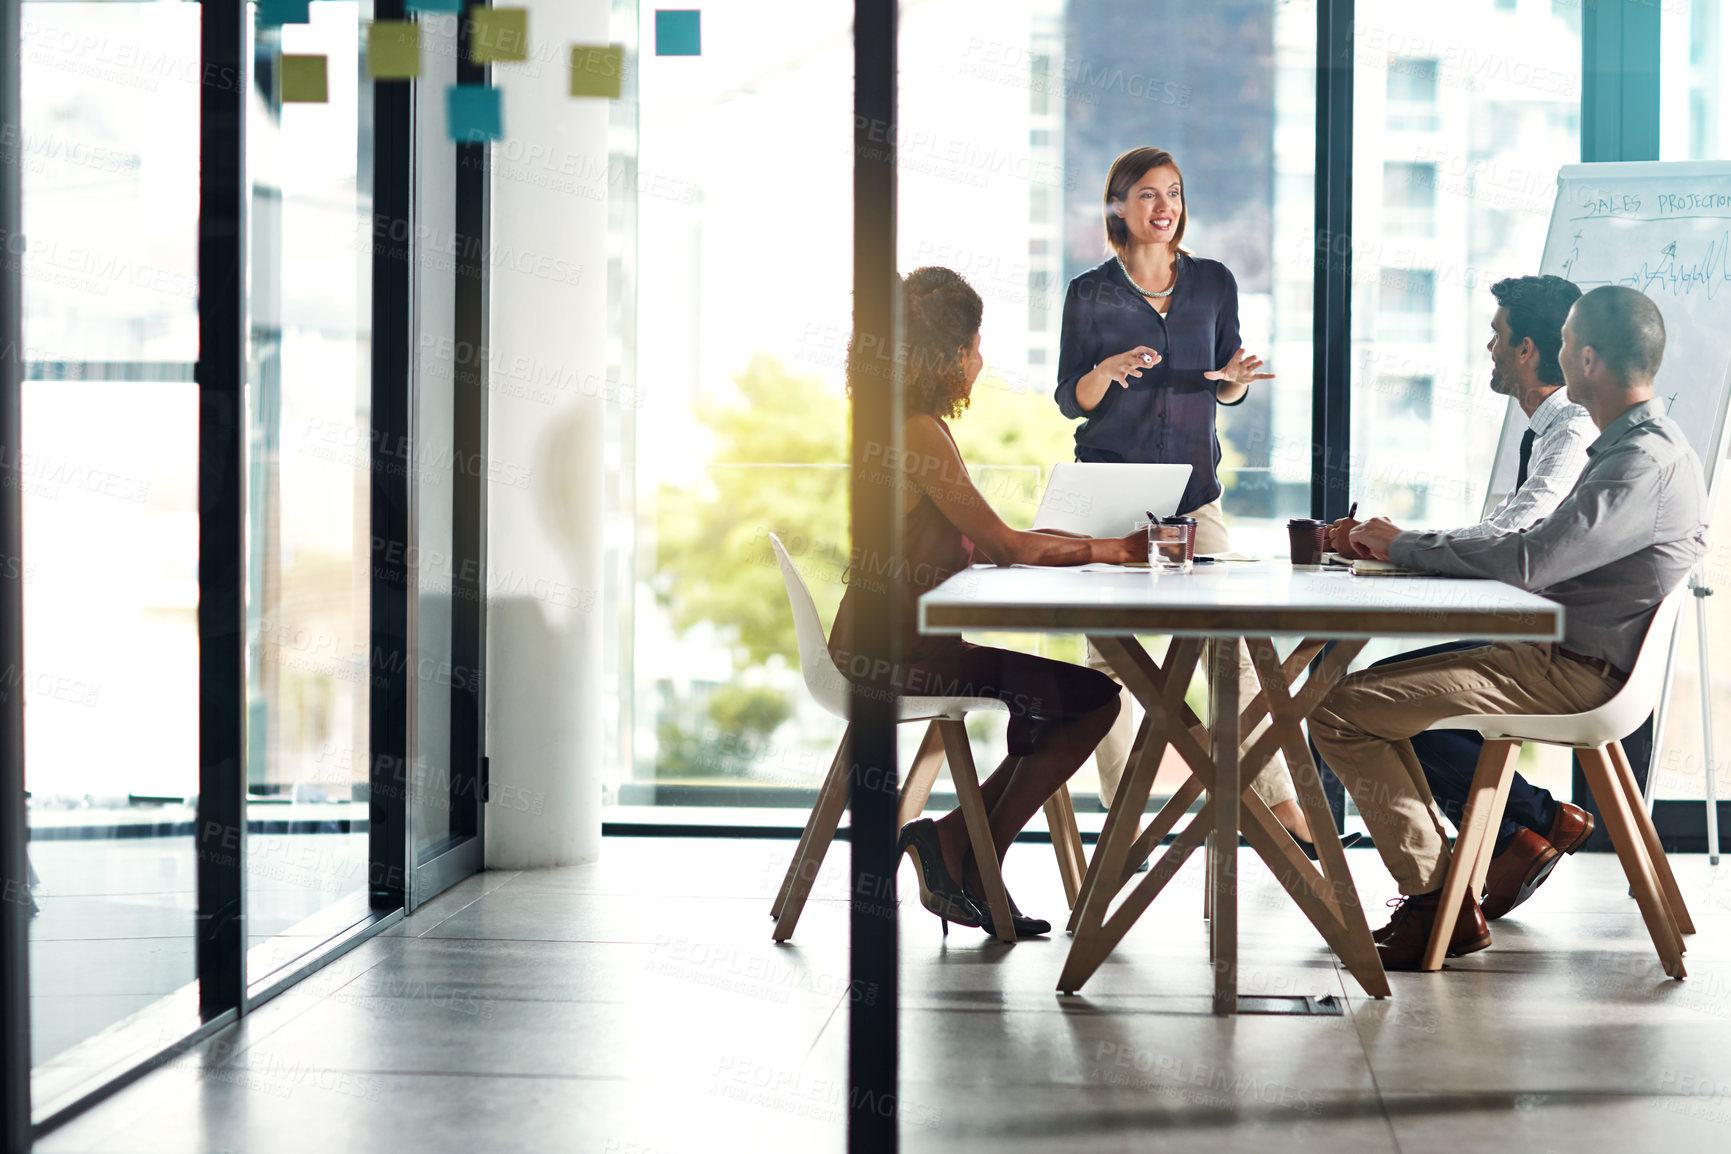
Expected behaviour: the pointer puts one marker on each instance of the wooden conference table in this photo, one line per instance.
(1257, 601)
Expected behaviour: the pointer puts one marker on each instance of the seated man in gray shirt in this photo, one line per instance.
(1626, 535)
(1526, 337)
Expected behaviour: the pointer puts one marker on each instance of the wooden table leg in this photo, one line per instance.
(1113, 815)
(1161, 692)
(1353, 943)
(1223, 884)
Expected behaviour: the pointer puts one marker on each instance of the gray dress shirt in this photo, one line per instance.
(1626, 535)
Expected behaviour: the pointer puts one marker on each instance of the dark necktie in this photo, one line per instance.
(1527, 439)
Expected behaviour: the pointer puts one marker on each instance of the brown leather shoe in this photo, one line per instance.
(1571, 828)
(1401, 943)
(1516, 872)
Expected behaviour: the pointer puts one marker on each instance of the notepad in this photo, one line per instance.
(1370, 568)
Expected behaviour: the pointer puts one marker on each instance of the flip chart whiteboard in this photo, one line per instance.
(1663, 228)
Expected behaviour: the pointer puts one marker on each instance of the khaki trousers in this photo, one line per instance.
(1274, 783)
(1362, 729)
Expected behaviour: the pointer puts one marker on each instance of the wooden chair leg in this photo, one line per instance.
(1650, 836)
(1061, 849)
(1496, 763)
(1488, 847)
(1066, 843)
(973, 808)
(1632, 850)
(813, 844)
(917, 789)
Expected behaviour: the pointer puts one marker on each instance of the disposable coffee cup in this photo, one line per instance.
(1306, 538)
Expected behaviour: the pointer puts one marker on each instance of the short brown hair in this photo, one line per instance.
(1624, 327)
(1125, 172)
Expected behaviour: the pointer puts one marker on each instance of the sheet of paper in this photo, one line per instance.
(303, 79)
(1231, 556)
(393, 49)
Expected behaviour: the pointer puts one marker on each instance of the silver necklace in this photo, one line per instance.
(1138, 287)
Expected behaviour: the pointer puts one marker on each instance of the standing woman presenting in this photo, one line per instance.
(1149, 347)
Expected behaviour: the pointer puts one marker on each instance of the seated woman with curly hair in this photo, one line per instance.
(1058, 711)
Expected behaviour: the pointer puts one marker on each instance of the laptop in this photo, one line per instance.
(1100, 499)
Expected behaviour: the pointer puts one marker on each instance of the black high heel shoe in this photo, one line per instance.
(1025, 926)
(1347, 840)
(939, 892)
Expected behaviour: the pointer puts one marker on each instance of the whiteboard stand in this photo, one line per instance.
(1701, 591)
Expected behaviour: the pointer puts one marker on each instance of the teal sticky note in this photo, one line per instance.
(474, 113)
(678, 32)
(276, 13)
(435, 5)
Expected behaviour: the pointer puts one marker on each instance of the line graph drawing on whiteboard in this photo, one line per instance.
(1706, 268)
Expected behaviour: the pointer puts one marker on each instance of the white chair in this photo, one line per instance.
(946, 734)
(1595, 738)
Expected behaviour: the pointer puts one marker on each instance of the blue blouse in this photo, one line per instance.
(1166, 416)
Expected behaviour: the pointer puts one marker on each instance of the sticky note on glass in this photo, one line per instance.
(303, 80)
(435, 5)
(678, 32)
(276, 13)
(498, 35)
(597, 69)
(474, 113)
(393, 49)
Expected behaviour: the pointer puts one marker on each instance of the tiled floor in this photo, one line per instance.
(637, 1006)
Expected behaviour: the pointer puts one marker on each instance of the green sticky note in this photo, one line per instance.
(597, 69)
(393, 49)
(303, 79)
(498, 34)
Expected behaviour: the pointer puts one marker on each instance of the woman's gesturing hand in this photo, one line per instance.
(1126, 365)
(1240, 370)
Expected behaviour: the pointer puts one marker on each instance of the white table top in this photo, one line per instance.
(1261, 599)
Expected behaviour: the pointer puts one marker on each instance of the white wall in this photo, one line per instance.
(547, 355)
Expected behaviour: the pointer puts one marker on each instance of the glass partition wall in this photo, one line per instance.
(742, 259)
(224, 216)
(109, 169)
(1462, 117)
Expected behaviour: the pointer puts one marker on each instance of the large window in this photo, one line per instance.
(741, 315)
(309, 461)
(1695, 124)
(1462, 116)
(110, 549)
